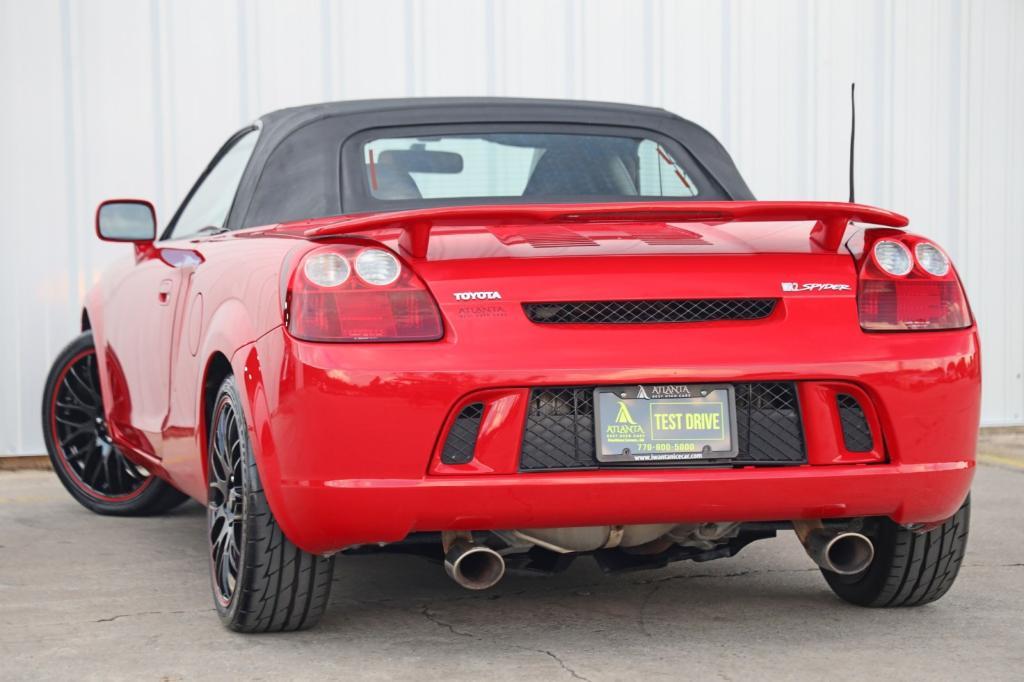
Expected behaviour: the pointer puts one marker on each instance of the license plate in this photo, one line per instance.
(665, 423)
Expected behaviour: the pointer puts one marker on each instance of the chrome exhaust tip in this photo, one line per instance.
(840, 552)
(845, 553)
(473, 566)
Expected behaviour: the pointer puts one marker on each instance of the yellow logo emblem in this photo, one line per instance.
(624, 429)
(624, 417)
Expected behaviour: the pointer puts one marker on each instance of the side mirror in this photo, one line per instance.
(126, 220)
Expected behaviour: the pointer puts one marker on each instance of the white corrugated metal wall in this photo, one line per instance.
(131, 98)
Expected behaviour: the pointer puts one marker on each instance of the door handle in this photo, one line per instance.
(164, 292)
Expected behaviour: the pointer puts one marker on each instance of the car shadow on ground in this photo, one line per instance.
(770, 585)
(382, 593)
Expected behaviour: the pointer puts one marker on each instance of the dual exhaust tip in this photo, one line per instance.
(477, 567)
(842, 552)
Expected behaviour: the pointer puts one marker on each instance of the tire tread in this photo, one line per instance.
(910, 568)
(280, 587)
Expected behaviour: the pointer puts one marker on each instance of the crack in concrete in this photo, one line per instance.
(426, 613)
(132, 615)
(433, 618)
(146, 613)
(560, 662)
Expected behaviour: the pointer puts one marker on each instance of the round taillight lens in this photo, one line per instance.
(327, 269)
(893, 257)
(376, 266)
(931, 259)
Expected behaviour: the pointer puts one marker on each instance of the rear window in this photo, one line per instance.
(531, 166)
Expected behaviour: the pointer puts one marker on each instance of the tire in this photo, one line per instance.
(909, 569)
(86, 460)
(261, 581)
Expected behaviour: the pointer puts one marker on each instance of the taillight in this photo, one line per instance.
(348, 292)
(907, 284)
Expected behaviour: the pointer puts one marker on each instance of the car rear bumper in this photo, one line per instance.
(333, 514)
(348, 451)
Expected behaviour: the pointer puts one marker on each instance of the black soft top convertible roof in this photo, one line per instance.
(301, 171)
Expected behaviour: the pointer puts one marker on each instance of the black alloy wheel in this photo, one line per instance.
(226, 499)
(85, 457)
(81, 433)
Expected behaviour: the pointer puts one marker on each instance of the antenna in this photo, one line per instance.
(853, 132)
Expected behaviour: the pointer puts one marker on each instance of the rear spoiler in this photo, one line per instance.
(831, 218)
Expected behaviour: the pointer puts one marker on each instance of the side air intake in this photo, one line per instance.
(856, 432)
(461, 442)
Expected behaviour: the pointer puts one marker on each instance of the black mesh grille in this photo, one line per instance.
(768, 424)
(650, 312)
(560, 427)
(856, 432)
(461, 441)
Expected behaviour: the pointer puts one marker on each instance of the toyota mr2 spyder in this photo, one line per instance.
(509, 334)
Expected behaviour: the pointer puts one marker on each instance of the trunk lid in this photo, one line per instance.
(467, 266)
(619, 239)
(482, 263)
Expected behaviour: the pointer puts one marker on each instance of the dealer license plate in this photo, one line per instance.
(665, 422)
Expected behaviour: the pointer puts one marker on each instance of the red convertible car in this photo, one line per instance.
(510, 333)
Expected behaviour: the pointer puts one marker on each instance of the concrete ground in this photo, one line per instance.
(91, 597)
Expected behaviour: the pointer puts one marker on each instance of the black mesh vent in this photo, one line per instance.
(461, 441)
(768, 424)
(856, 433)
(560, 428)
(650, 312)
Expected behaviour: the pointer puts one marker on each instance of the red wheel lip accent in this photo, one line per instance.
(72, 474)
(221, 600)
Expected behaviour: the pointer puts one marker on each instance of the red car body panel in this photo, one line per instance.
(347, 436)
